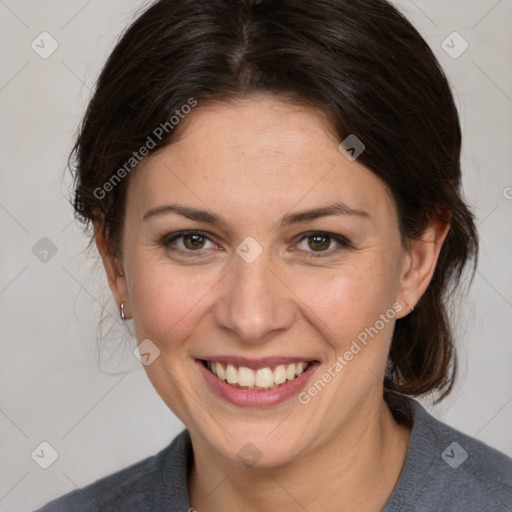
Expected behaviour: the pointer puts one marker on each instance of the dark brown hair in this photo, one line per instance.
(360, 62)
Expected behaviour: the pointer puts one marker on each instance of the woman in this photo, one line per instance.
(275, 192)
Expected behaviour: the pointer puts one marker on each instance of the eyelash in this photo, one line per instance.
(167, 240)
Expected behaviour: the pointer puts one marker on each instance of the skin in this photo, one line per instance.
(253, 161)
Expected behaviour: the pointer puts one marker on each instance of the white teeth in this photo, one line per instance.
(231, 374)
(262, 378)
(280, 374)
(220, 371)
(245, 376)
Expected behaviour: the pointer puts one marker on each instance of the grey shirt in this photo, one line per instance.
(445, 470)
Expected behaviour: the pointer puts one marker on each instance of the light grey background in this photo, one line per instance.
(101, 413)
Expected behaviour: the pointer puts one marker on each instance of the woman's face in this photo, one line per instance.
(266, 283)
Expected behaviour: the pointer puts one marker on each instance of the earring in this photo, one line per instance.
(123, 318)
(411, 308)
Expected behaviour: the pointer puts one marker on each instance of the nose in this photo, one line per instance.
(255, 303)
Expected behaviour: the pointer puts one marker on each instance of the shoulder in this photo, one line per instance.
(135, 488)
(129, 486)
(469, 471)
(446, 469)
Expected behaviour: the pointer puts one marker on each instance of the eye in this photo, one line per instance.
(186, 242)
(320, 243)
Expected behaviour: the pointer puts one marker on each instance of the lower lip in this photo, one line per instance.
(255, 397)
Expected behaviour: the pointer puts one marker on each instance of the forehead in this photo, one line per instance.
(255, 154)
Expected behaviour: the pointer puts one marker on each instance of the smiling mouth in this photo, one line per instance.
(265, 378)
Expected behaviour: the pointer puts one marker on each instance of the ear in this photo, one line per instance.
(113, 269)
(420, 262)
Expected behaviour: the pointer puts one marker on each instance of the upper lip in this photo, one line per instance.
(256, 363)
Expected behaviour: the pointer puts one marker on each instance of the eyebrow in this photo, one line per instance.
(287, 220)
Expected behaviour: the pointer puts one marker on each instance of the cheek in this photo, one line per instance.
(346, 304)
(166, 300)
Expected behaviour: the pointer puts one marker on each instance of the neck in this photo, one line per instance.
(357, 467)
